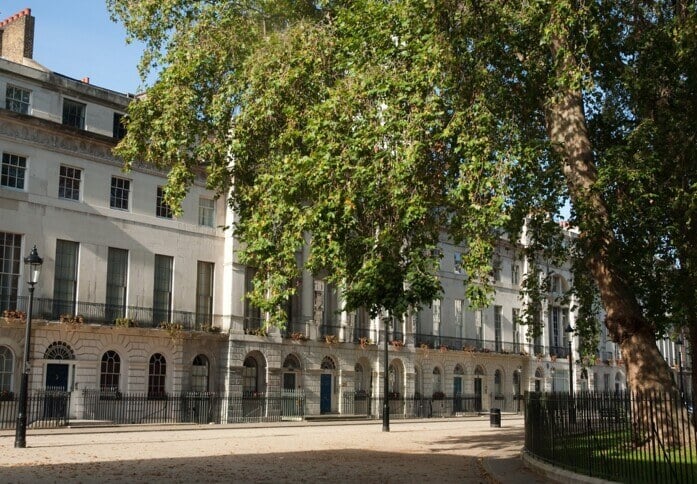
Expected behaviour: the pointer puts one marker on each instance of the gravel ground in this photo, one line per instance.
(462, 450)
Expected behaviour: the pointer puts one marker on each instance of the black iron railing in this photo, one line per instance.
(190, 407)
(415, 407)
(45, 409)
(107, 314)
(488, 346)
(621, 437)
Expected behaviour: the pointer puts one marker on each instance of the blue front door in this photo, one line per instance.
(325, 394)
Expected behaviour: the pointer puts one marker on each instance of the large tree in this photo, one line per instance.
(372, 129)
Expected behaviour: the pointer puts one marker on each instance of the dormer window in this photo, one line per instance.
(74, 114)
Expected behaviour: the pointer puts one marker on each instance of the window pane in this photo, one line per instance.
(110, 372)
(74, 114)
(204, 292)
(206, 212)
(162, 296)
(120, 190)
(10, 263)
(116, 280)
(13, 171)
(17, 99)
(65, 281)
(162, 209)
(157, 371)
(69, 183)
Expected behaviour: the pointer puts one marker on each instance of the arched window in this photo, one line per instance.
(250, 378)
(6, 369)
(199, 374)
(327, 364)
(291, 363)
(417, 382)
(110, 372)
(156, 376)
(59, 351)
(437, 380)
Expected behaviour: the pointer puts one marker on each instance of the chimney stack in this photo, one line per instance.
(17, 36)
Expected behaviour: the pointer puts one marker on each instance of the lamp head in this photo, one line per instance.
(33, 261)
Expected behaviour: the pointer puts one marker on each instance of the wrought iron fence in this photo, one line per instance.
(360, 403)
(45, 409)
(190, 407)
(621, 437)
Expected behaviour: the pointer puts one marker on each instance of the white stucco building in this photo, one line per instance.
(161, 299)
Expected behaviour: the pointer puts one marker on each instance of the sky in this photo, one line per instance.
(76, 38)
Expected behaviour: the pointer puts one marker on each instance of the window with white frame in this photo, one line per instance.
(110, 374)
(69, 183)
(204, 292)
(162, 288)
(157, 373)
(6, 369)
(74, 113)
(515, 274)
(10, 263)
(161, 208)
(65, 277)
(206, 212)
(13, 172)
(120, 192)
(17, 99)
(116, 282)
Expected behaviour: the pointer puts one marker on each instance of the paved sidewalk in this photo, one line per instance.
(465, 450)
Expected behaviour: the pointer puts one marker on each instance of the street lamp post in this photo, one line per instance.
(386, 387)
(678, 343)
(33, 262)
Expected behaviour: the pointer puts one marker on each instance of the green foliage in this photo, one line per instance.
(375, 129)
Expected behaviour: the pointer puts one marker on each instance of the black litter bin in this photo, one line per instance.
(495, 417)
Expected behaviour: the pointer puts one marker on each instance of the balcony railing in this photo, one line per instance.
(487, 346)
(107, 314)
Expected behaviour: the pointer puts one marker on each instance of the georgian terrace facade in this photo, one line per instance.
(134, 300)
